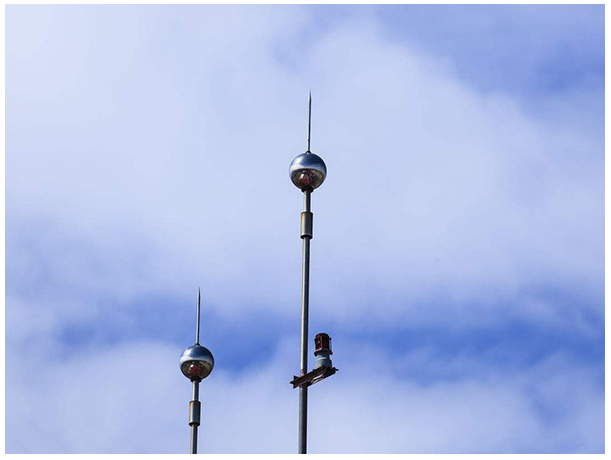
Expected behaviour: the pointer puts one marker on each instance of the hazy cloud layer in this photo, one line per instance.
(89, 405)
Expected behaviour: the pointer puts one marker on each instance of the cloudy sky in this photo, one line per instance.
(458, 251)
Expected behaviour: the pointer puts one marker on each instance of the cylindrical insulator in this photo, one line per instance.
(306, 224)
(323, 359)
(194, 412)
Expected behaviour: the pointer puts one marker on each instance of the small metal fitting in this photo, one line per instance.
(307, 219)
(194, 412)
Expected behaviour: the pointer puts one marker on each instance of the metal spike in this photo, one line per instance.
(309, 119)
(198, 307)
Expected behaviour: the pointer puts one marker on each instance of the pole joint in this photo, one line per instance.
(307, 219)
(194, 413)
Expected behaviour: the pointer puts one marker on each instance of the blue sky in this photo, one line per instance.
(458, 251)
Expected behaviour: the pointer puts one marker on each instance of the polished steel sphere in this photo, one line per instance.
(196, 362)
(308, 171)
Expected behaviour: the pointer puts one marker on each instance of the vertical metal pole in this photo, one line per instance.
(306, 235)
(194, 405)
(194, 416)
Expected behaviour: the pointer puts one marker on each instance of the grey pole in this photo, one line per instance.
(195, 405)
(196, 363)
(194, 416)
(306, 235)
(307, 172)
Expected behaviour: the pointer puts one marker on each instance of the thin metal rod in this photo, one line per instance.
(305, 301)
(193, 439)
(195, 390)
(307, 201)
(194, 425)
(197, 326)
(309, 120)
(303, 420)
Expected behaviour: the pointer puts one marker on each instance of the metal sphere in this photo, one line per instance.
(308, 171)
(196, 362)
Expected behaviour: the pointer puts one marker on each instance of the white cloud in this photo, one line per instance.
(443, 191)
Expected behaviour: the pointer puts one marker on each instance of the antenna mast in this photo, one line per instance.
(308, 171)
(196, 363)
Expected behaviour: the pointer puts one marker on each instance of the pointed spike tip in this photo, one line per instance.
(309, 120)
(197, 319)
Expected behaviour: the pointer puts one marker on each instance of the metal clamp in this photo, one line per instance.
(313, 377)
(307, 219)
(194, 412)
